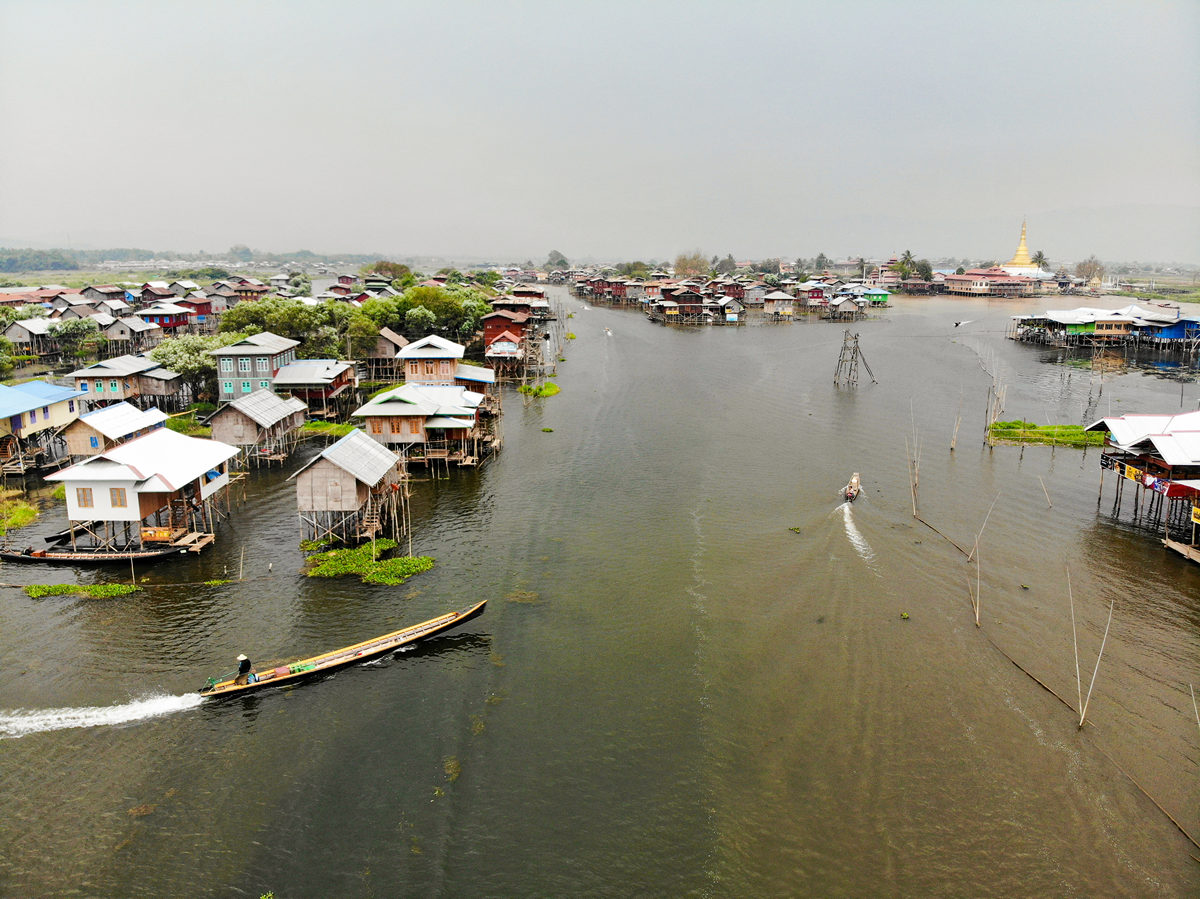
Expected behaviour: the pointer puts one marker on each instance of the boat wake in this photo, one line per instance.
(861, 546)
(23, 722)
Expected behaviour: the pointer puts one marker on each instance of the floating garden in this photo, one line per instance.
(1026, 432)
(365, 562)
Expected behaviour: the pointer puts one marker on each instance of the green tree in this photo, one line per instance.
(960, 271)
(188, 355)
(419, 320)
(1039, 259)
(393, 271)
(362, 332)
(820, 263)
(726, 266)
(241, 252)
(924, 269)
(7, 360)
(691, 265)
(556, 260)
(315, 327)
(301, 282)
(73, 334)
(907, 258)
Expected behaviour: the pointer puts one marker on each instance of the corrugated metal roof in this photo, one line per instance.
(122, 419)
(160, 457)
(310, 371)
(443, 422)
(468, 372)
(256, 344)
(432, 347)
(361, 456)
(265, 408)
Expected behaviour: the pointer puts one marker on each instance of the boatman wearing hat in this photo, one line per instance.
(245, 672)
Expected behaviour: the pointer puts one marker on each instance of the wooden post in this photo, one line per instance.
(1083, 712)
(1045, 491)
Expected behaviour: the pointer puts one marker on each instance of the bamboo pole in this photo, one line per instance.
(984, 525)
(978, 589)
(1045, 491)
(1096, 670)
(1075, 640)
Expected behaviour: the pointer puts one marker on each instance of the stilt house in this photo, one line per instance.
(263, 425)
(157, 491)
(101, 429)
(31, 415)
(352, 491)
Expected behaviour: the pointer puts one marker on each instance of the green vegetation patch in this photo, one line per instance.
(327, 427)
(548, 389)
(187, 424)
(94, 591)
(14, 512)
(1027, 432)
(570, 335)
(364, 561)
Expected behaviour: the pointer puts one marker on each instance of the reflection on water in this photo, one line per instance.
(708, 688)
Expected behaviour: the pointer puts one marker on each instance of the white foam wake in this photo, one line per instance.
(856, 538)
(22, 722)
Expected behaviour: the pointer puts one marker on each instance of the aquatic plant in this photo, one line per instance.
(1027, 432)
(364, 561)
(15, 513)
(547, 430)
(328, 428)
(217, 582)
(547, 389)
(570, 335)
(93, 591)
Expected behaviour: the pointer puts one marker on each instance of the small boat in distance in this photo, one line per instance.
(228, 685)
(851, 491)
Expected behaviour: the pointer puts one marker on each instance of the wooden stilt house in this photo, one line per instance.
(352, 491)
(266, 427)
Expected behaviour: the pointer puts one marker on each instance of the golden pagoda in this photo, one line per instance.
(1021, 259)
(1021, 262)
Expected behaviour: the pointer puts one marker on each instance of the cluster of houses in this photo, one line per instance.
(133, 318)
(1162, 326)
(729, 300)
(136, 488)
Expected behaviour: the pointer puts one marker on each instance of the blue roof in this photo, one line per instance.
(50, 393)
(33, 395)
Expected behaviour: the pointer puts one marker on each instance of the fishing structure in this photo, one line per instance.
(846, 374)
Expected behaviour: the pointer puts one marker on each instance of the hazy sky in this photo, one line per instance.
(610, 129)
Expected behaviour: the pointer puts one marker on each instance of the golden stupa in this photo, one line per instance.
(1021, 263)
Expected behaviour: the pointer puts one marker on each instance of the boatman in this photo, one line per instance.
(245, 672)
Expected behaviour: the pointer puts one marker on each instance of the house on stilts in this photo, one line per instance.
(32, 416)
(101, 429)
(263, 425)
(158, 492)
(353, 491)
(1159, 456)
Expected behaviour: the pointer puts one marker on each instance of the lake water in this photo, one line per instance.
(693, 676)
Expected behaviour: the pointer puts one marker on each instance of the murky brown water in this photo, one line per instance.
(672, 692)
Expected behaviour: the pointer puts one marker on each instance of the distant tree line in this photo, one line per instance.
(36, 260)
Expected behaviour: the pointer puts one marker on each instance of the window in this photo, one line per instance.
(116, 496)
(70, 405)
(94, 442)
(46, 412)
(428, 368)
(376, 426)
(83, 497)
(112, 385)
(244, 364)
(227, 386)
(265, 385)
(261, 362)
(83, 385)
(226, 364)
(99, 386)
(414, 426)
(394, 425)
(245, 386)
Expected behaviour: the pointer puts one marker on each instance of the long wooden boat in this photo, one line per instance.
(227, 685)
(54, 555)
(851, 491)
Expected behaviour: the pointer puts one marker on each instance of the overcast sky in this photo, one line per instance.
(613, 129)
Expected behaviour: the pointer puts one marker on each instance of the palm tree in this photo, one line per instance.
(1039, 259)
(907, 258)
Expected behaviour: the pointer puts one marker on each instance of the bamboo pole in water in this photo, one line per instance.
(984, 525)
(978, 588)
(1075, 640)
(1045, 491)
(1096, 670)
